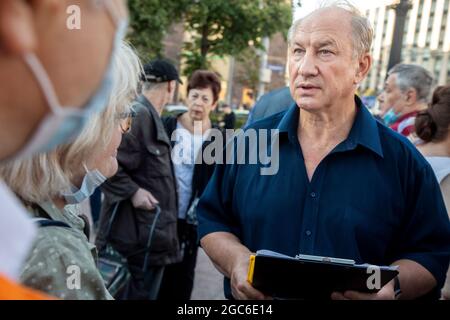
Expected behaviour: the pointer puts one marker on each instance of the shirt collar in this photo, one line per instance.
(364, 131)
(406, 115)
(289, 122)
(69, 214)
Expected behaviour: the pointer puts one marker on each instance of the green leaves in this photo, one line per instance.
(224, 28)
(217, 28)
(150, 20)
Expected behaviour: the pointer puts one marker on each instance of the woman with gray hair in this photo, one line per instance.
(52, 185)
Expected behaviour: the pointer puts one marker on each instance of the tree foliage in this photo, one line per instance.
(230, 27)
(217, 28)
(247, 74)
(149, 22)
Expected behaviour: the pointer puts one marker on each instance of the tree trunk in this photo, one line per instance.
(205, 43)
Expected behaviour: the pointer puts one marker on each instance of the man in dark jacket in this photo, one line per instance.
(145, 179)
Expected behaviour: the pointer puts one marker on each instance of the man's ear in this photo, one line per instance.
(411, 96)
(364, 64)
(172, 86)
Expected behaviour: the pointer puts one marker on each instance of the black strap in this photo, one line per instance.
(149, 239)
(150, 236)
(46, 221)
(51, 223)
(111, 220)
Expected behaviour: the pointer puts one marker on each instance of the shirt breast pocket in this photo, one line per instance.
(158, 161)
(371, 230)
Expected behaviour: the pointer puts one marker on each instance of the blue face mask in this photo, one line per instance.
(91, 181)
(64, 124)
(390, 117)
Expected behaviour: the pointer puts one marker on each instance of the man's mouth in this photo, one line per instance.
(307, 86)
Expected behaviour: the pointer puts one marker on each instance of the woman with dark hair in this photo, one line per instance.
(433, 127)
(190, 133)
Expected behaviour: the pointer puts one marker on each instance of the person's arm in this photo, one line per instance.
(120, 187)
(415, 281)
(445, 188)
(231, 258)
(422, 246)
(219, 230)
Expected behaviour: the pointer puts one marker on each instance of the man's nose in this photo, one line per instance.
(307, 66)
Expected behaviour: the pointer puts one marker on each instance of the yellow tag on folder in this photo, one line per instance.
(251, 269)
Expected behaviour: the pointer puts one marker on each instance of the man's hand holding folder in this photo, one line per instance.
(240, 287)
(314, 277)
(386, 293)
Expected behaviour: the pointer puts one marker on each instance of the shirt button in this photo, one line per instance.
(308, 233)
(313, 194)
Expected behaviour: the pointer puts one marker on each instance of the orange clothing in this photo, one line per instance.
(13, 291)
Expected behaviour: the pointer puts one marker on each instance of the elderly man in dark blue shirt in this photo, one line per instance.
(346, 186)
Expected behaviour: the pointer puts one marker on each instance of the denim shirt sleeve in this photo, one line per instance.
(425, 237)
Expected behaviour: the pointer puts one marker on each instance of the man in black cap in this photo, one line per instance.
(144, 180)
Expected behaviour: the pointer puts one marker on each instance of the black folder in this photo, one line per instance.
(314, 277)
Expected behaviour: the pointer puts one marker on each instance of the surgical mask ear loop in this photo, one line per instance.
(43, 81)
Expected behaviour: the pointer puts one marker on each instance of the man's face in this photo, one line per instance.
(75, 60)
(322, 69)
(391, 96)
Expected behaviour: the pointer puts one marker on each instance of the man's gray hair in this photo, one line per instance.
(150, 86)
(416, 77)
(362, 30)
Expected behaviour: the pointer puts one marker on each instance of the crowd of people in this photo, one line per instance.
(348, 185)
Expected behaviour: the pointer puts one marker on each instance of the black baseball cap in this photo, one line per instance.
(160, 71)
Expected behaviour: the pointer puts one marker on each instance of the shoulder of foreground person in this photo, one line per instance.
(61, 264)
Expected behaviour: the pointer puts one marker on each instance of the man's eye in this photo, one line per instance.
(298, 51)
(325, 52)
